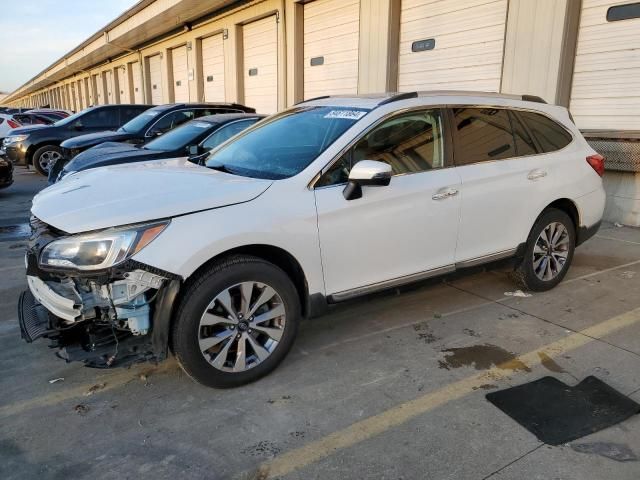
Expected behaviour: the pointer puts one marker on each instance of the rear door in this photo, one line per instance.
(407, 228)
(504, 181)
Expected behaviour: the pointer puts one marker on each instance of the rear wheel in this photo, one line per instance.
(236, 322)
(548, 253)
(45, 157)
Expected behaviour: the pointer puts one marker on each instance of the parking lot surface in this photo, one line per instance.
(390, 387)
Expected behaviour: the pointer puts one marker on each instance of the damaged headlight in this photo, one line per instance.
(97, 251)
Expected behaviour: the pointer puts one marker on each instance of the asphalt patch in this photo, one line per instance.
(557, 413)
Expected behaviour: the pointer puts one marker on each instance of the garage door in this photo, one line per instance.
(606, 80)
(155, 79)
(260, 52)
(123, 84)
(213, 68)
(180, 74)
(108, 85)
(452, 45)
(136, 80)
(331, 38)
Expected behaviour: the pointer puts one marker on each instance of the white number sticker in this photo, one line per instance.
(348, 114)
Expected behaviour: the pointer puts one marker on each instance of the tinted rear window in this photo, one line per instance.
(483, 134)
(549, 135)
(524, 142)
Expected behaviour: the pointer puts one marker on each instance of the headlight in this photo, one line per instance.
(15, 139)
(96, 251)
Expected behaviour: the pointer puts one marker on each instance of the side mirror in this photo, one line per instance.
(78, 126)
(193, 150)
(369, 173)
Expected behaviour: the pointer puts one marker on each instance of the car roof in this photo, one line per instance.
(170, 106)
(372, 101)
(223, 118)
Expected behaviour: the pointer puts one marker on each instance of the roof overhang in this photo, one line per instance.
(142, 23)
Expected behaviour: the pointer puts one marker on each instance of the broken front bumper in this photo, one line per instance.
(65, 308)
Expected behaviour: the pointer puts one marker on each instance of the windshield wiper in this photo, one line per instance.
(221, 168)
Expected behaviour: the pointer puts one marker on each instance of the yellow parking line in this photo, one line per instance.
(372, 426)
(114, 379)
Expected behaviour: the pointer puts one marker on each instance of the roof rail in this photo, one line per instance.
(322, 97)
(533, 98)
(399, 96)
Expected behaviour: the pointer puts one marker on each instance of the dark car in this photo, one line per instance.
(6, 173)
(193, 139)
(146, 126)
(40, 146)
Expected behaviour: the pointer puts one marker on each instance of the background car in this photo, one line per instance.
(194, 139)
(148, 125)
(11, 121)
(6, 173)
(40, 147)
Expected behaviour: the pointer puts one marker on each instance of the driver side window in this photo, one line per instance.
(411, 143)
(170, 121)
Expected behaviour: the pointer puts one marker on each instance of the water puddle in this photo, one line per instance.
(482, 357)
(14, 232)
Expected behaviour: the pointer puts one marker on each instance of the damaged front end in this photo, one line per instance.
(92, 301)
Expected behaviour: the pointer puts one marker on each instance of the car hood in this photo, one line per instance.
(110, 153)
(29, 129)
(91, 139)
(139, 192)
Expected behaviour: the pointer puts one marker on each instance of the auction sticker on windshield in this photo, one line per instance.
(348, 114)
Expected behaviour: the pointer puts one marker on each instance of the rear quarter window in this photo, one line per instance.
(550, 135)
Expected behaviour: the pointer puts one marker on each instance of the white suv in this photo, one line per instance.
(329, 200)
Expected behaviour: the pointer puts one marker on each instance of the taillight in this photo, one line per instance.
(597, 163)
(13, 124)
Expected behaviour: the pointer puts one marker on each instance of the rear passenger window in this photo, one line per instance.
(524, 142)
(410, 143)
(549, 135)
(483, 134)
(171, 121)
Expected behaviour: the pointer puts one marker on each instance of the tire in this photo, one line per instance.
(546, 270)
(45, 157)
(198, 347)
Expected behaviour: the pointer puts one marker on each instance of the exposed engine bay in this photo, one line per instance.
(102, 318)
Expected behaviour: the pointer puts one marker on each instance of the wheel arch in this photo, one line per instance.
(34, 148)
(567, 206)
(280, 258)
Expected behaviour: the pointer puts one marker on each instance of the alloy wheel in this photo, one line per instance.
(241, 326)
(551, 251)
(48, 159)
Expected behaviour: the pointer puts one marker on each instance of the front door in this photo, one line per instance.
(408, 227)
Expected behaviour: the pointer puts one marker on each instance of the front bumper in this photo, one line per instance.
(17, 153)
(62, 307)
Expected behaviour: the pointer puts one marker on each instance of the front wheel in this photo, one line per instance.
(236, 322)
(45, 157)
(549, 252)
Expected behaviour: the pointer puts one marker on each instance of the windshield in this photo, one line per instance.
(180, 137)
(285, 144)
(138, 123)
(71, 118)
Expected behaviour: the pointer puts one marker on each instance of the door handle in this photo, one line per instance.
(446, 193)
(536, 174)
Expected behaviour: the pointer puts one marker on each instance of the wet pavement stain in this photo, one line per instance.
(15, 232)
(615, 451)
(486, 386)
(482, 357)
(550, 364)
(424, 332)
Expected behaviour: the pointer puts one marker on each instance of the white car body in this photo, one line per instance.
(414, 226)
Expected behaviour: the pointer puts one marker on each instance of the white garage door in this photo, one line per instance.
(451, 45)
(213, 68)
(155, 79)
(180, 69)
(331, 39)
(136, 81)
(606, 79)
(260, 52)
(108, 85)
(123, 85)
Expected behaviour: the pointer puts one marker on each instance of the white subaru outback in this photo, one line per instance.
(332, 199)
